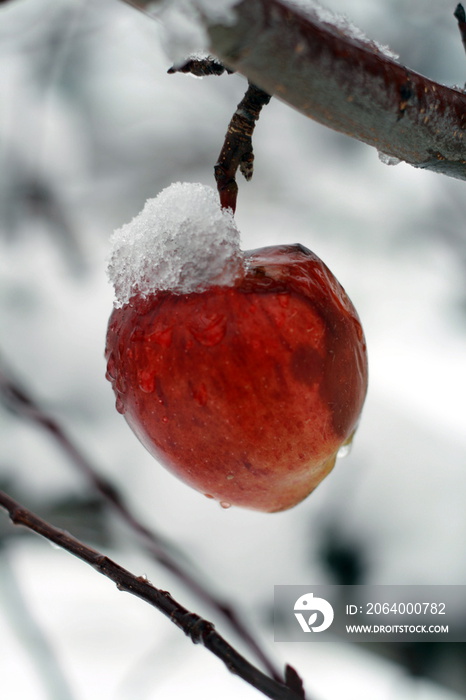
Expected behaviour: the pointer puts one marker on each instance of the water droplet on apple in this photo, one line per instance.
(225, 504)
(344, 450)
(119, 405)
(163, 336)
(111, 368)
(209, 330)
(146, 381)
(208, 495)
(120, 383)
(165, 419)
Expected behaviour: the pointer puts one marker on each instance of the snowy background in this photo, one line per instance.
(91, 126)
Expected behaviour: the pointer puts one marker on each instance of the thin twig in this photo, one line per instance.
(237, 148)
(460, 15)
(198, 629)
(19, 400)
(237, 151)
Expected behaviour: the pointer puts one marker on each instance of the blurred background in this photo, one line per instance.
(91, 126)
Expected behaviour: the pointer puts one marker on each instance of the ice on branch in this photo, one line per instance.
(387, 159)
(185, 22)
(181, 241)
(341, 24)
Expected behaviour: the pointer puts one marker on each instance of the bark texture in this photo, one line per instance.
(344, 83)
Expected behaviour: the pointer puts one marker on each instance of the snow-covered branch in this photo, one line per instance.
(322, 67)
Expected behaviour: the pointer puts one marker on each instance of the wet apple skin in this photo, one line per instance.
(247, 392)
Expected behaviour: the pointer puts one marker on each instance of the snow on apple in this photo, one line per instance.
(243, 373)
(181, 241)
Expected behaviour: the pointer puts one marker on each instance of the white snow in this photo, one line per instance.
(342, 24)
(184, 24)
(181, 241)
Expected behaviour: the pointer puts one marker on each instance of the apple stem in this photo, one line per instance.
(237, 148)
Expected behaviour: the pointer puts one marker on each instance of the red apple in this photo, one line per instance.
(245, 392)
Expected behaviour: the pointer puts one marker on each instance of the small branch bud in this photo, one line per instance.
(201, 66)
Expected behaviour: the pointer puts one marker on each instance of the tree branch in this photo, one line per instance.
(344, 83)
(18, 399)
(199, 630)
